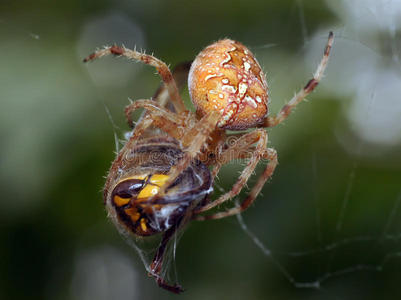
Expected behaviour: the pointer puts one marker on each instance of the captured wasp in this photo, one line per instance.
(229, 90)
(137, 174)
(135, 177)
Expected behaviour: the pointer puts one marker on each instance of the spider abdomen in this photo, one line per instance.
(226, 77)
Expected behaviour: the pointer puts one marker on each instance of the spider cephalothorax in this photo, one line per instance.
(229, 91)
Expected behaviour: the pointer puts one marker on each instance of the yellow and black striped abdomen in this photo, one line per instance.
(132, 200)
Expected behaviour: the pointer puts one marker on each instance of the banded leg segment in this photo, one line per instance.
(309, 87)
(160, 66)
(260, 151)
(245, 142)
(267, 173)
(169, 122)
(241, 149)
(161, 96)
(180, 75)
(193, 140)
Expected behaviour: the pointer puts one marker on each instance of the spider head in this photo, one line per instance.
(227, 78)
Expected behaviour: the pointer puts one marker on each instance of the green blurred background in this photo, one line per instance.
(335, 193)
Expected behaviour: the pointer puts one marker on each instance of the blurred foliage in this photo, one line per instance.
(58, 143)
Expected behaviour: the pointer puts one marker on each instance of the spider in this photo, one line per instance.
(229, 91)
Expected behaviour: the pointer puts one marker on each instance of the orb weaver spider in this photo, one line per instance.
(229, 91)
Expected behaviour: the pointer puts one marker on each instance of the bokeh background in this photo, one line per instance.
(329, 218)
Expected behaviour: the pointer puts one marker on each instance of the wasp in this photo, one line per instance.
(140, 169)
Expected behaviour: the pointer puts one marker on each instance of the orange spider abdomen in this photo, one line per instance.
(226, 77)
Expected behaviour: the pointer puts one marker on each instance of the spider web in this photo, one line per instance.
(380, 248)
(332, 248)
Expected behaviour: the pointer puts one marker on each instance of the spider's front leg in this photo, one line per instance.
(160, 66)
(238, 150)
(162, 96)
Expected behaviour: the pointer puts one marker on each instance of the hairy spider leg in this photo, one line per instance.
(309, 87)
(162, 96)
(170, 122)
(238, 150)
(160, 66)
(194, 140)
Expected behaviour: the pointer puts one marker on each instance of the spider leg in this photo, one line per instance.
(267, 173)
(193, 140)
(243, 155)
(161, 96)
(240, 146)
(168, 121)
(241, 149)
(180, 75)
(309, 87)
(260, 137)
(160, 66)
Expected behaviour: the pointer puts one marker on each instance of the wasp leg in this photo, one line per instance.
(157, 263)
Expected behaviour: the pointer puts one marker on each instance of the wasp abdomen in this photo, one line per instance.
(132, 201)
